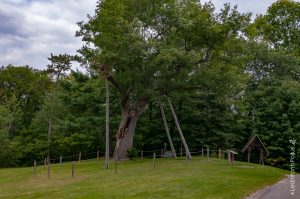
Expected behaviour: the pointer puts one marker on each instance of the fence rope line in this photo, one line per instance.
(159, 154)
(57, 174)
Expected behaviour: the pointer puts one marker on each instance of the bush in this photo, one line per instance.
(132, 153)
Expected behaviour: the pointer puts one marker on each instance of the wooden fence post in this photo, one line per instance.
(202, 152)
(79, 159)
(154, 160)
(73, 169)
(34, 170)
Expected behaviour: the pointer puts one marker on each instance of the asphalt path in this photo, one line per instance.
(281, 190)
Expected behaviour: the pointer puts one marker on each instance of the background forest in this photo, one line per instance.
(247, 81)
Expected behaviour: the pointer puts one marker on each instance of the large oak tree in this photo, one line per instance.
(149, 48)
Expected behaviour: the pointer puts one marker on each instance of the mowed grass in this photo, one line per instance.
(199, 179)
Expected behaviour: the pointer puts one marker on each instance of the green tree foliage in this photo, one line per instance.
(228, 78)
(273, 93)
(280, 26)
(150, 48)
(22, 92)
(22, 88)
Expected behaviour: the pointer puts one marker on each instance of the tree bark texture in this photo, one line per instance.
(127, 126)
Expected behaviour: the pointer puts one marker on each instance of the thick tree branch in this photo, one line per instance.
(140, 106)
(105, 73)
(120, 88)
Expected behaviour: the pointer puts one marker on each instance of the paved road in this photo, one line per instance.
(280, 190)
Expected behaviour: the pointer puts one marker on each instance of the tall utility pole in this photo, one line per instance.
(105, 74)
(49, 134)
(167, 128)
(179, 130)
(106, 164)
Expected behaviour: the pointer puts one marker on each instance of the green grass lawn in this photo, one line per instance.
(171, 178)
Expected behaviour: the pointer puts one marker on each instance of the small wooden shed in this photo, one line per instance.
(255, 143)
(231, 155)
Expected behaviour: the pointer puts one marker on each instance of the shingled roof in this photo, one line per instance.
(254, 138)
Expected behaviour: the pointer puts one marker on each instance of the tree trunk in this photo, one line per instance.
(127, 126)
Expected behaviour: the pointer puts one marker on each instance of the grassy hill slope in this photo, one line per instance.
(199, 179)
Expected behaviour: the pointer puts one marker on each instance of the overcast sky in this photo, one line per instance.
(32, 29)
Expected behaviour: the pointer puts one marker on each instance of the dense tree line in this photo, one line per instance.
(227, 76)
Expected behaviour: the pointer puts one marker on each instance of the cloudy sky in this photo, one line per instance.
(32, 29)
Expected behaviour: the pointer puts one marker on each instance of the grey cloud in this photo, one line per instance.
(9, 24)
(32, 29)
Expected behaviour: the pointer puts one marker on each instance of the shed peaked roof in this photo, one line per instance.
(251, 140)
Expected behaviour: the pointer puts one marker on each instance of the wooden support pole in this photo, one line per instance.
(34, 168)
(79, 158)
(228, 155)
(73, 168)
(249, 154)
(179, 130)
(154, 160)
(260, 156)
(50, 129)
(207, 152)
(49, 170)
(167, 128)
(107, 126)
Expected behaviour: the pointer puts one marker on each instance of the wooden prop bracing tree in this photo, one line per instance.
(167, 128)
(187, 151)
(154, 48)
